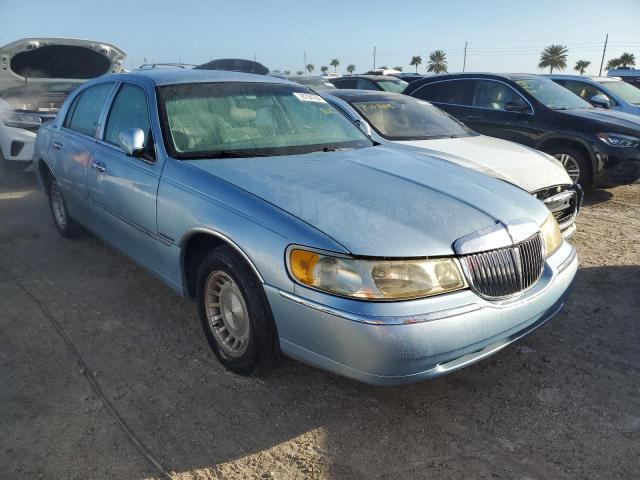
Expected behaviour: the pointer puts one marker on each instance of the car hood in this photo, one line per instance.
(499, 158)
(34, 61)
(381, 201)
(616, 119)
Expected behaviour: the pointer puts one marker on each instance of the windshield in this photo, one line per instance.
(627, 92)
(216, 120)
(396, 86)
(410, 119)
(551, 94)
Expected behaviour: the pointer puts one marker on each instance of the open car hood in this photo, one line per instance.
(37, 61)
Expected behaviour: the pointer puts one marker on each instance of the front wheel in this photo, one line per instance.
(575, 163)
(235, 314)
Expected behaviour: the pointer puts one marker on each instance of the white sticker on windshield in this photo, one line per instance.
(309, 97)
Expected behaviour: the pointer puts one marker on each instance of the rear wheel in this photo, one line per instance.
(66, 225)
(575, 163)
(235, 314)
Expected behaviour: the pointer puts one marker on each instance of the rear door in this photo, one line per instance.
(122, 188)
(71, 148)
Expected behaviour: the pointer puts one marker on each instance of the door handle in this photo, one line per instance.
(99, 166)
(57, 145)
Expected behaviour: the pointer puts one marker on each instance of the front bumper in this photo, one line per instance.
(404, 342)
(617, 166)
(16, 144)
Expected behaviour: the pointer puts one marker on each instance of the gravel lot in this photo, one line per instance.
(104, 373)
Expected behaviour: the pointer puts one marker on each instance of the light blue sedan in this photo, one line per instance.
(295, 232)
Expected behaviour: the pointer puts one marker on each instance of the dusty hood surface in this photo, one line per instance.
(522, 166)
(619, 119)
(380, 201)
(55, 60)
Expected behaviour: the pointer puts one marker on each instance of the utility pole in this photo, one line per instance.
(374, 58)
(304, 67)
(603, 52)
(464, 62)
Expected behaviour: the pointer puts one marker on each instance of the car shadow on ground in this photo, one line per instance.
(549, 405)
(593, 196)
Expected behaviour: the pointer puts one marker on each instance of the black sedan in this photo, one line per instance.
(386, 83)
(596, 146)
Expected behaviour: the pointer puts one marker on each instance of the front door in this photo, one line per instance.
(123, 188)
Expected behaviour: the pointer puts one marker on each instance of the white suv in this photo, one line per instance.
(36, 75)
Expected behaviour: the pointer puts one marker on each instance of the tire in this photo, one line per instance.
(235, 315)
(64, 223)
(572, 159)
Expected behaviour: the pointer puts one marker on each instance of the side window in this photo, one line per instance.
(128, 110)
(88, 107)
(364, 84)
(493, 95)
(345, 83)
(452, 92)
(583, 90)
(72, 108)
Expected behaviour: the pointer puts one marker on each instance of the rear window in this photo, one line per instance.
(450, 91)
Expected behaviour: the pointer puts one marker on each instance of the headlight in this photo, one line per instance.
(616, 140)
(376, 279)
(552, 235)
(20, 119)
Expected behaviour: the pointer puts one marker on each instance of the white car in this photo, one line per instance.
(36, 75)
(416, 124)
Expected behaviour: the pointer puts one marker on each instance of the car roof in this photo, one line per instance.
(373, 77)
(176, 76)
(504, 76)
(352, 94)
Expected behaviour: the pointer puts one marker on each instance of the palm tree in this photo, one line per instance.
(310, 68)
(334, 63)
(437, 62)
(351, 68)
(398, 68)
(627, 59)
(324, 69)
(287, 72)
(581, 66)
(299, 72)
(554, 56)
(416, 60)
(276, 71)
(613, 63)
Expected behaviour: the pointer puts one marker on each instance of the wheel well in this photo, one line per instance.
(45, 174)
(194, 250)
(564, 142)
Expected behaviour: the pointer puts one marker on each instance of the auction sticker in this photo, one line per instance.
(309, 97)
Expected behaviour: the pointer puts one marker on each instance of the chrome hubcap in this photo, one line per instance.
(58, 205)
(570, 164)
(227, 314)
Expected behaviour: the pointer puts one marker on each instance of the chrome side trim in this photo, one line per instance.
(221, 236)
(383, 320)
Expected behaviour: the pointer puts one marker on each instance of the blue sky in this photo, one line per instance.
(502, 35)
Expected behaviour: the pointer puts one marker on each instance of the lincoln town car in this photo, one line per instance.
(295, 232)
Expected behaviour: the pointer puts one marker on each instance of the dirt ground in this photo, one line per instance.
(104, 373)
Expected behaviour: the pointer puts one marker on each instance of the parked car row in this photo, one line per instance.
(378, 235)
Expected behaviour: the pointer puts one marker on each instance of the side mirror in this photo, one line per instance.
(131, 141)
(512, 106)
(364, 126)
(601, 101)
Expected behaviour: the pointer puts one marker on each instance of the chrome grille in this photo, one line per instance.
(563, 203)
(506, 271)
